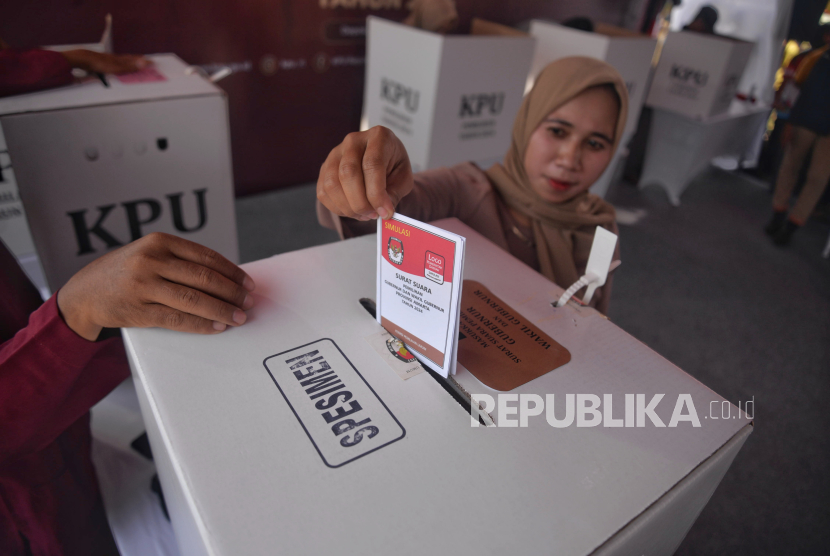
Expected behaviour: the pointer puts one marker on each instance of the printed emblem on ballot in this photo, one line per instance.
(434, 267)
(339, 411)
(395, 249)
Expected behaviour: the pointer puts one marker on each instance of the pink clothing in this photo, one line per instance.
(465, 192)
(49, 379)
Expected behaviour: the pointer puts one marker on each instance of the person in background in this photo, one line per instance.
(59, 358)
(580, 23)
(438, 16)
(704, 21)
(810, 131)
(536, 205)
(25, 71)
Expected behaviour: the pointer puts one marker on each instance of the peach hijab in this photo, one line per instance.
(563, 232)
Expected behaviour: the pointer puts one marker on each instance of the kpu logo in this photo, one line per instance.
(487, 104)
(685, 74)
(132, 210)
(395, 92)
(395, 249)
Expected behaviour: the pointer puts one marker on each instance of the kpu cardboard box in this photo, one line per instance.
(449, 98)
(99, 166)
(698, 74)
(291, 434)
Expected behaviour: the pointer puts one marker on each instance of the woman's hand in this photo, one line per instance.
(98, 62)
(158, 280)
(366, 175)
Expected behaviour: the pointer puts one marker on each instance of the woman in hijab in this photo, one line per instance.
(536, 205)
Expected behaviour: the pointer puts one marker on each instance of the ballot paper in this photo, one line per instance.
(419, 289)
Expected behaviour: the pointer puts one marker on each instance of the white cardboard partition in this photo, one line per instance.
(249, 466)
(449, 99)
(698, 74)
(98, 167)
(630, 54)
(679, 147)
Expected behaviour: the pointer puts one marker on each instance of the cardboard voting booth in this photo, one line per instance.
(698, 74)
(450, 98)
(254, 459)
(630, 53)
(99, 166)
(680, 147)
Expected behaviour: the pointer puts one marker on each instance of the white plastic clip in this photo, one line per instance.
(597, 269)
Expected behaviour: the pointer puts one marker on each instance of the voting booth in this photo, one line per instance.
(698, 74)
(293, 434)
(680, 147)
(449, 98)
(630, 53)
(98, 166)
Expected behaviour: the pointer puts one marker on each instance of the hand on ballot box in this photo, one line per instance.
(366, 175)
(159, 280)
(101, 62)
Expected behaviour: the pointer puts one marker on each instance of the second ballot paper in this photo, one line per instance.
(419, 288)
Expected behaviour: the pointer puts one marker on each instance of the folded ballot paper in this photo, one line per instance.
(419, 289)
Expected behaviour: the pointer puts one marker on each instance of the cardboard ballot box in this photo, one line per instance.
(448, 98)
(98, 167)
(258, 455)
(698, 74)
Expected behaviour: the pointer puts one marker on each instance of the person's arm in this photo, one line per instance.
(53, 370)
(49, 378)
(26, 71)
(371, 169)
(431, 198)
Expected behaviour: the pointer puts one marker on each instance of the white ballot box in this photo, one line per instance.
(698, 74)
(292, 434)
(630, 53)
(680, 147)
(450, 98)
(99, 166)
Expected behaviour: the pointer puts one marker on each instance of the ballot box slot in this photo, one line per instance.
(455, 392)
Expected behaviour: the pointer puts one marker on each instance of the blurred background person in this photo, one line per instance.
(810, 131)
(704, 21)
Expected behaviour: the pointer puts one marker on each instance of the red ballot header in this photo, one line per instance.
(418, 252)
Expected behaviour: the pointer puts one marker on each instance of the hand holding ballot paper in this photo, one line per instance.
(420, 270)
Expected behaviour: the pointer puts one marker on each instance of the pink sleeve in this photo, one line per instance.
(25, 71)
(49, 378)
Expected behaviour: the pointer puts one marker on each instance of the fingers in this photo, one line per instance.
(351, 174)
(207, 280)
(203, 256)
(329, 189)
(172, 319)
(399, 180)
(377, 160)
(366, 175)
(196, 303)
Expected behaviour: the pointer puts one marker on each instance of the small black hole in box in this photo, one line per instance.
(161, 144)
